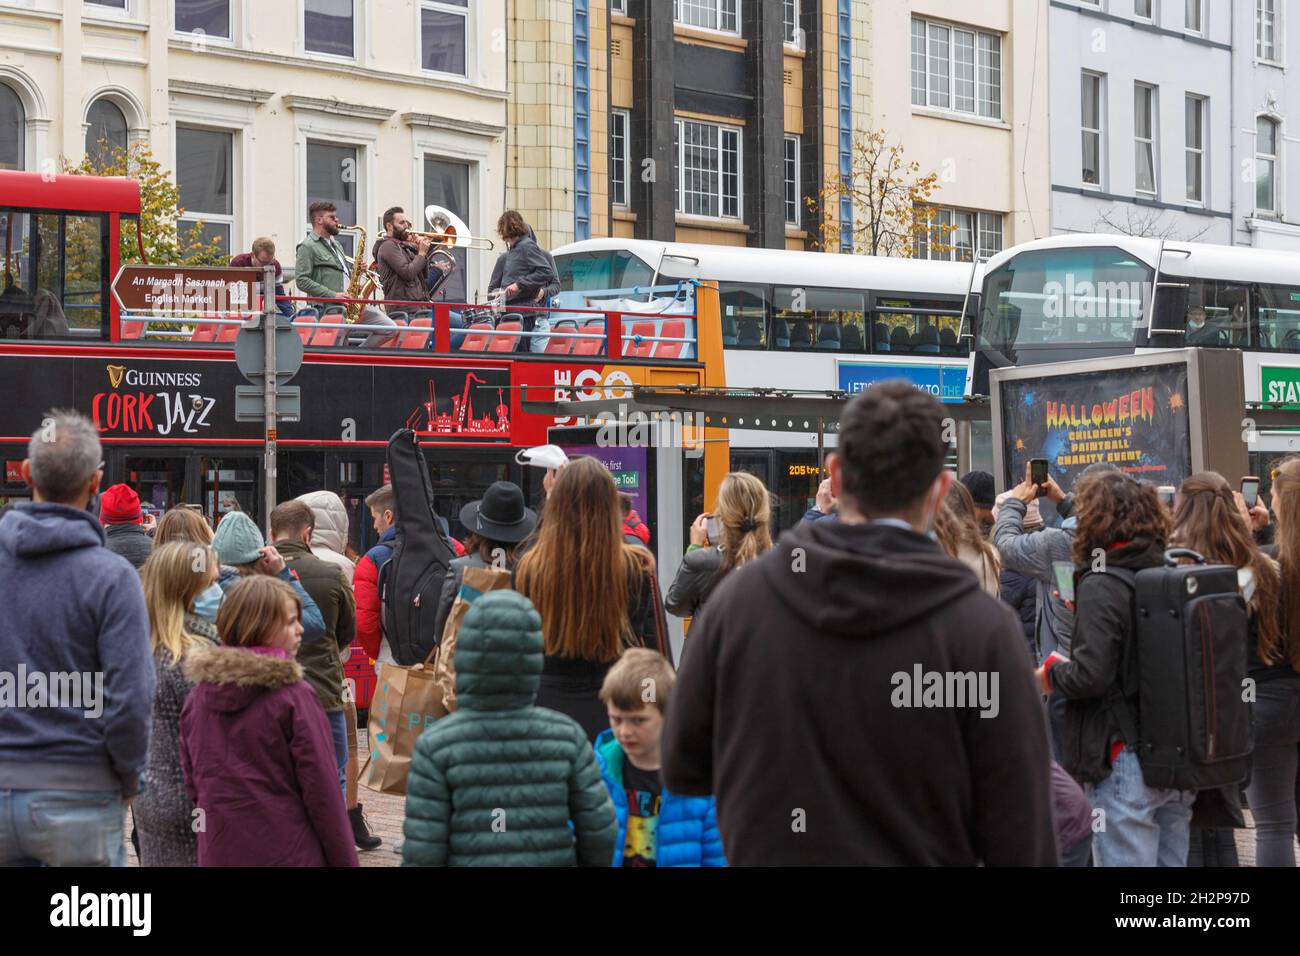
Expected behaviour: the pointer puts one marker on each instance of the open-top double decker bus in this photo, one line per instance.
(161, 389)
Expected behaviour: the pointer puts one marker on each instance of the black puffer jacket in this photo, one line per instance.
(1022, 594)
(1099, 656)
(130, 541)
(529, 266)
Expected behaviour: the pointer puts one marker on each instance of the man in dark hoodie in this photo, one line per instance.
(525, 274)
(853, 696)
(76, 672)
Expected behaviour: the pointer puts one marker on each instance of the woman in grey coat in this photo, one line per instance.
(165, 819)
(497, 523)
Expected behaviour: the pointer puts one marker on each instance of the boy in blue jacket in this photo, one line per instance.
(655, 827)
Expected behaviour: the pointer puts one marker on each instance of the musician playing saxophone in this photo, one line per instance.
(321, 269)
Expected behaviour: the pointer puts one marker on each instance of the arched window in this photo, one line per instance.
(13, 124)
(1266, 164)
(105, 130)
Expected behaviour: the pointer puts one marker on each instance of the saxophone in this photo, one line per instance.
(357, 280)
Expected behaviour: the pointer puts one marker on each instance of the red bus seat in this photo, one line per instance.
(417, 337)
(228, 333)
(633, 349)
(564, 344)
(133, 328)
(506, 343)
(205, 332)
(593, 344)
(396, 341)
(306, 325)
(672, 329)
(476, 343)
(328, 333)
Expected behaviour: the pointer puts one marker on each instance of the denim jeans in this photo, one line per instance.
(1272, 790)
(61, 828)
(1142, 826)
(339, 731)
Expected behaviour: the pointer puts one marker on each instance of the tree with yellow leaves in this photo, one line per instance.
(890, 201)
(160, 209)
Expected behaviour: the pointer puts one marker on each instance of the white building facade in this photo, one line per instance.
(1141, 117)
(262, 108)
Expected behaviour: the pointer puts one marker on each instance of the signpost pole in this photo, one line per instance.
(269, 316)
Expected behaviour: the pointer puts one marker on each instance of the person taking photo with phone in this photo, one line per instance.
(737, 533)
(1033, 556)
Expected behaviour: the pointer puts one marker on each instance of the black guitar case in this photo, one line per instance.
(411, 581)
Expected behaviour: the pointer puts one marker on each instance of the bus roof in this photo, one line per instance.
(1201, 260)
(796, 268)
(69, 193)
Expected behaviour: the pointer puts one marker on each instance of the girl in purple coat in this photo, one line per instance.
(256, 750)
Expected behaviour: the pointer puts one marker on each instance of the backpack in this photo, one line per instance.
(410, 582)
(1190, 624)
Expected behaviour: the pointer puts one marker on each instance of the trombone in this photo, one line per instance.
(450, 231)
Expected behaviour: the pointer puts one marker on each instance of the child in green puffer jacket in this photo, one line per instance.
(534, 796)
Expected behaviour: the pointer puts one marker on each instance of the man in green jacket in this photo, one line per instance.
(292, 524)
(503, 782)
(321, 269)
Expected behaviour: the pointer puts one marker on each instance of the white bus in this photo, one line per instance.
(1089, 296)
(804, 320)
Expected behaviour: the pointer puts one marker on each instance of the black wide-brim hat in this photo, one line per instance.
(500, 515)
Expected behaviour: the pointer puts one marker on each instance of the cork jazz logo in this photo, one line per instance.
(172, 406)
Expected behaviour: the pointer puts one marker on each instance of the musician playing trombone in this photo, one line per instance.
(411, 269)
(321, 270)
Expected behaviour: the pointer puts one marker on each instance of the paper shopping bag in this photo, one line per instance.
(477, 581)
(406, 701)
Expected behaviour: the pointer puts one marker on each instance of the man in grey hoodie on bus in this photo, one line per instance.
(525, 274)
(1032, 554)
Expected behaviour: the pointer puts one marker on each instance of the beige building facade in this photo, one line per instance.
(963, 86)
(261, 108)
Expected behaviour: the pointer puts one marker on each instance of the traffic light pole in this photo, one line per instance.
(269, 321)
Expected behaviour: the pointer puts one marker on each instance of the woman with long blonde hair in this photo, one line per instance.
(957, 526)
(744, 530)
(596, 595)
(176, 573)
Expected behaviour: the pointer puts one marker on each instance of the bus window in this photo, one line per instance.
(1216, 314)
(55, 275)
(1057, 297)
(744, 315)
(1278, 319)
(822, 319)
(917, 327)
(597, 271)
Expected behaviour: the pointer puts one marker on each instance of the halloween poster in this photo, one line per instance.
(1134, 418)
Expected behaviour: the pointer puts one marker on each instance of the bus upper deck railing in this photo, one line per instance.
(665, 330)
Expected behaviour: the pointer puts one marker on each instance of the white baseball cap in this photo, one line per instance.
(543, 456)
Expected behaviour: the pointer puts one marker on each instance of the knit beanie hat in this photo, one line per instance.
(238, 540)
(1033, 517)
(980, 485)
(120, 505)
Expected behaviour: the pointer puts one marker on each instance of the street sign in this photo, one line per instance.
(250, 353)
(250, 404)
(156, 289)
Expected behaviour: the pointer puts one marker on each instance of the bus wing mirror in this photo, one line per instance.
(1170, 313)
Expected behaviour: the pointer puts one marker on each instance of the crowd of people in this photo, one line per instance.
(809, 717)
(412, 271)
